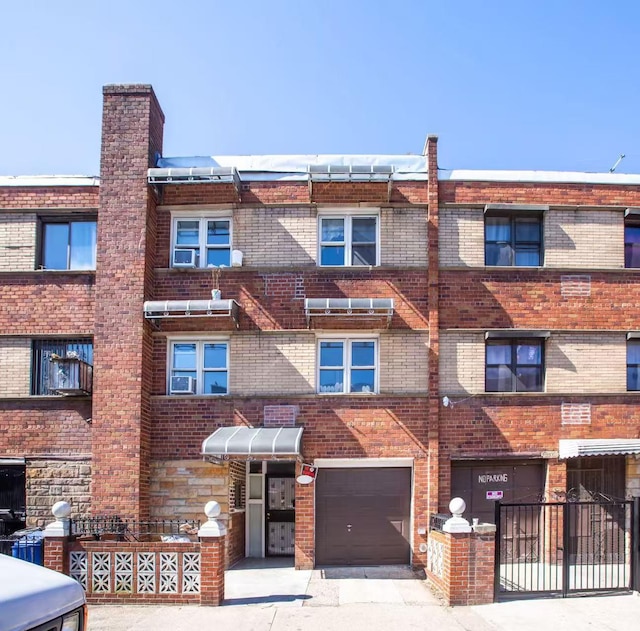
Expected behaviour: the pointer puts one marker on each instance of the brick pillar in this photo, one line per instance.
(131, 135)
(431, 151)
(304, 537)
(56, 554)
(212, 570)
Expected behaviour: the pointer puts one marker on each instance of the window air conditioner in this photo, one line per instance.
(182, 385)
(184, 258)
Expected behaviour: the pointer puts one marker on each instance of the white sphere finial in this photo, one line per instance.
(61, 510)
(457, 506)
(212, 509)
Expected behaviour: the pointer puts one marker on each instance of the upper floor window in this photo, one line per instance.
(68, 245)
(513, 239)
(347, 365)
(633, 364)
(199, 367)
(514, 365)
(349, 240)
(201, 242)
(62, 366)
(632, 245)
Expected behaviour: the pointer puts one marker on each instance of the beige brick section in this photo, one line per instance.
(403, 237)
(17, 242)
(633, 477)
(282, 363)
(584, 239)
(461, 362)
(278, 237)
(180, 488)
(15, 367)
(461, 237)
(586, 362)
(404, 363)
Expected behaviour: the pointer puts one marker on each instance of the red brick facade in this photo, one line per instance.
(131, 421)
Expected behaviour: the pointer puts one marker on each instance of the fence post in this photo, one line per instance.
(56, 538)
(212, 554)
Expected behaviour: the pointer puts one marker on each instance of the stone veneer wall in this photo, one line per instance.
(49, 481)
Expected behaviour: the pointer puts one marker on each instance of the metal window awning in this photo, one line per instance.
(249, 443)
(195, 175)
(352, 173)
(536, 208)
(349, 307)
(598, 447)
(510, 334)
(154, 309)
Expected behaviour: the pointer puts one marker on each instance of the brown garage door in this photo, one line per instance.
(362, 516)
(519, 482)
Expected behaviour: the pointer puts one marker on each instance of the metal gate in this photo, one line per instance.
(567, 548)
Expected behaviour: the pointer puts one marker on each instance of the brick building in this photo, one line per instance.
(182, 329)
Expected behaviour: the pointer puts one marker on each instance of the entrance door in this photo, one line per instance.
(362, 516)
(280, 509)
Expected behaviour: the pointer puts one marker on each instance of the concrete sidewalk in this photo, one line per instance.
(275, 597)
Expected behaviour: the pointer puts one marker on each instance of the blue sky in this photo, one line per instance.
(506, 85)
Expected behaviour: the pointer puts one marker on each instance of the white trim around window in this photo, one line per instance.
(342, 244)
(200, 366)
(347, 364)
(190, 231)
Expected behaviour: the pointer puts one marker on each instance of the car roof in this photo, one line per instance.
(31, 595)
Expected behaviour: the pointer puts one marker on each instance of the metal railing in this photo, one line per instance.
(124, 530)
(437, 521)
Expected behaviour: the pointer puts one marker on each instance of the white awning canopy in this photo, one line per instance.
(598, 447)
(154, 309)
(249, 442)
(349, 307)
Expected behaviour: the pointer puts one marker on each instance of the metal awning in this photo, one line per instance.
(508, 334)
(154, 309)
(249, 442)
(536, 208)
(194, 175)
(346, 307)
(598, 447)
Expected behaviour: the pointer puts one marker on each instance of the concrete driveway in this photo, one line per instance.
(272, 596)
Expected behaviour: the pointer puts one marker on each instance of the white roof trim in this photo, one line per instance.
(598, 447)
(49, 180)
(565, 177)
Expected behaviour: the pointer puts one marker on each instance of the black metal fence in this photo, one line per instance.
(437, 520)
(110, 527)
(564, 548)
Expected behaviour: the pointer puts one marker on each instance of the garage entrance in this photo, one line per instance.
(362, 516)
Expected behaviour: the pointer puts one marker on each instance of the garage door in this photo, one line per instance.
(362, 516)
(475, 482)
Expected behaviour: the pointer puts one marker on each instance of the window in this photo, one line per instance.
(632, 245)
(633, 364)
(68, 245)
(514, 240)
(514, 366)
(347, 366)
(59, 365)
(206, 242)
(199, 367)
(350, 240)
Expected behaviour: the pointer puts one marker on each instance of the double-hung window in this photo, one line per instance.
(199, 367)
(632, 245)
(514, 365)
(68, 245)
(201, 242)
(347, 365)
(513, 239)
(349, 240)
(633, 364)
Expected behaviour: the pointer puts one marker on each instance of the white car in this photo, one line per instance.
(34, 598)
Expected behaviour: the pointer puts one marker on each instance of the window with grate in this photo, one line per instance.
(53, 355)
